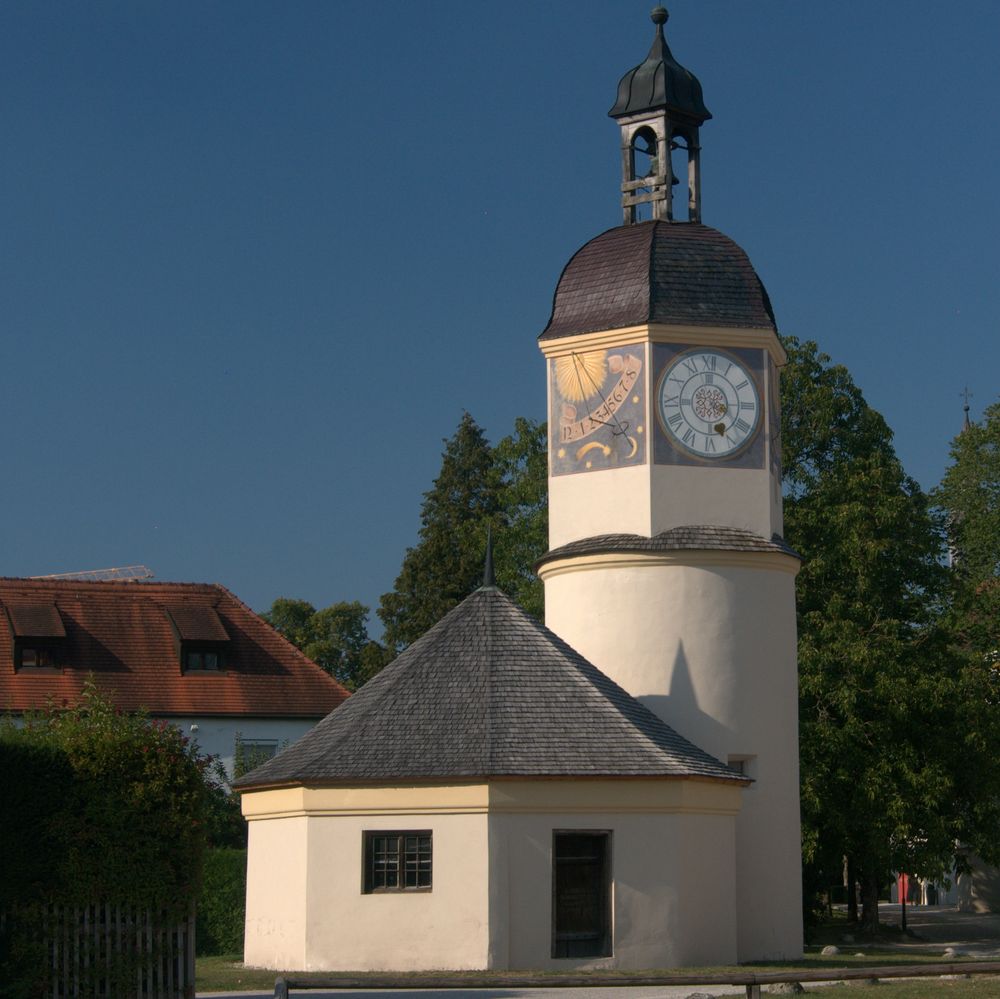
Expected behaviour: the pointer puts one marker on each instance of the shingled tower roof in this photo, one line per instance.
(676, 273)
(487, 692)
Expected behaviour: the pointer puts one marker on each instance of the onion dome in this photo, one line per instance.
(660, 82)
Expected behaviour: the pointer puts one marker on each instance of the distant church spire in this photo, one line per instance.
(659, 109)
(966, 395)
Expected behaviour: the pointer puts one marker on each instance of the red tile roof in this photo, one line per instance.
(122, 633)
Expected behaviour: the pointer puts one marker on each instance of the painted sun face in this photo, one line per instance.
(580, 376)
(708, 404)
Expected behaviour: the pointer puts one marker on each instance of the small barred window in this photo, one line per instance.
(397, 861)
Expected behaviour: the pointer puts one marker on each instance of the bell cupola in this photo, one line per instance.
(659, 110)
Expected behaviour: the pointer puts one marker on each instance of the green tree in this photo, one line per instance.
(878, 689)
(969, 499)
(447, 563)
(521, 461)
(969, 494)
(335, 638)
(100, 806)
(479, 488)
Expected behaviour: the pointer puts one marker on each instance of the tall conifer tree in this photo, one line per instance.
(446, 565)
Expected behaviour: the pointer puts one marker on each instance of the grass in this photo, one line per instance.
(981, 987)
(227, 973)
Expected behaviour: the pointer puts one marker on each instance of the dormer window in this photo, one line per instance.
(196, 659)
(200, 637)
(38, 636)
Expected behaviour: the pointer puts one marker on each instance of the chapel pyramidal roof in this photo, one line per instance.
(487, 692)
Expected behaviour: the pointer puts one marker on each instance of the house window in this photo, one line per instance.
(202, 659)
(581, 894)
(397, 861)
(202, 641)
(248, 754)
(36, 657)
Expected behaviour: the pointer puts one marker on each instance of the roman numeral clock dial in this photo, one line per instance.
(708, 404)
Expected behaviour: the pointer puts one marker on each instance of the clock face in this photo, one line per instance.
(708, 403)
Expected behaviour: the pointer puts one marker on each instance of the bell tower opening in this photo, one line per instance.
(659, 111)
(645, 166)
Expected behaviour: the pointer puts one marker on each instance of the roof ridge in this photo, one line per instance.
(491, 685)
(290, 645)
(136, 585)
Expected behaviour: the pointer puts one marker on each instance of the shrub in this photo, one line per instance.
(222, 902)
(100, 807)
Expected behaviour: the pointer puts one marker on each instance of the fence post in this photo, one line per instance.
(753, 992)
(280, 988)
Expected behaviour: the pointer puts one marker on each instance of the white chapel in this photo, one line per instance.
(619, 787)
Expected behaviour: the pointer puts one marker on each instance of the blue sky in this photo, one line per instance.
(257, 258)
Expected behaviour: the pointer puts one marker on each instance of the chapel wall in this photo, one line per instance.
(275, 928)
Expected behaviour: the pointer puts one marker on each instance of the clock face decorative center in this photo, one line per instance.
(708, 404)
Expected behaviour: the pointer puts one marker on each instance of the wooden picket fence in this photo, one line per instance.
(113, 951)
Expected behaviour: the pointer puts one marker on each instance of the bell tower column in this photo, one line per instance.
(667, 568)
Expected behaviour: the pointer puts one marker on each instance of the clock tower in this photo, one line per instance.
(667, 567)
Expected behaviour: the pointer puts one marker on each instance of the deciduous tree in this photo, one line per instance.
(969, 498)
(335, 638)
(877, 686)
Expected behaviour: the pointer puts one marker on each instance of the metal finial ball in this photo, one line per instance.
(659, 15)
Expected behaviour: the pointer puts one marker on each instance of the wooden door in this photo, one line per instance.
(581, 894)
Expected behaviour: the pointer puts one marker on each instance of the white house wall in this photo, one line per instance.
(275, 930)
(348, 930)
(672, 857)
(672, 870)
(216, 736)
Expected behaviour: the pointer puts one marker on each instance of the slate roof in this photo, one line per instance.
(487, 692)
(121, 632)
(680, 273)
(696, 537)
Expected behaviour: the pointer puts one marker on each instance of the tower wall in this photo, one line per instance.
(707, 640)
(648, 499)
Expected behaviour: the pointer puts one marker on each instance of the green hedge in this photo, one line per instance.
(99, 807)
(222, 902)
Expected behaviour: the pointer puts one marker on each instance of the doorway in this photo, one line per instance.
(581, 894)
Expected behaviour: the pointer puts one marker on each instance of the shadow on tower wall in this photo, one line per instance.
(679, 709)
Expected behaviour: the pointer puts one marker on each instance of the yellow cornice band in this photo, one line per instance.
(700, 336)
(515, 796)
(692, 557)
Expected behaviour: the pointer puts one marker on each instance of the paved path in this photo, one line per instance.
(935, 927)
